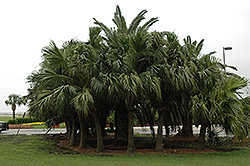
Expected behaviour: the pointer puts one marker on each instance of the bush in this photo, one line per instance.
(25, 120)
(12, 121)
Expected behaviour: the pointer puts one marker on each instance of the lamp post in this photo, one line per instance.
(225, 48)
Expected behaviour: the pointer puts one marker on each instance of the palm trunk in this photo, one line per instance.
(167, 130)
(83, 141)
(187, 129)
(14, 114)
(69, 128)
(186, 116)
(100, 144)
(152, 131)
(72, 140)
(121, 125)
(201, 141)
(14, 110)
(131, 143)
(159, 140)
(166, 123)
(104, 115)
(152, 125)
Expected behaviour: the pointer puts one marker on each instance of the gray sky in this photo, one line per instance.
(27, 26)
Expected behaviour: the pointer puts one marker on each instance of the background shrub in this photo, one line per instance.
(25, 120)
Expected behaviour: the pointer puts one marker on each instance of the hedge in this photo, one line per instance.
(25, 120)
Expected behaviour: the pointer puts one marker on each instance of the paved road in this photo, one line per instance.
(140, 130)
(32, 131)
(196, 131)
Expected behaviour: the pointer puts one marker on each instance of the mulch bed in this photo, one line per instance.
(143, 145)
(16, 126)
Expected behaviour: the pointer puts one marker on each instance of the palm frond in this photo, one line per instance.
(131, 84)
(110, 34)
(153, 86)
(119, 20)
(83, 101)
(149, 23)
(94, 36)
(53, 55)
(136, 21)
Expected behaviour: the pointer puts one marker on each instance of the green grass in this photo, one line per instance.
(39, 127)
(5, 118)
(44, 127)
(143, 135)
(36, 150)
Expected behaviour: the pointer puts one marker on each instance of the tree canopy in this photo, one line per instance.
(134, 72)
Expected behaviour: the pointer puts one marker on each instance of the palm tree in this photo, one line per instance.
(205, 106)
(55, 87)
(124, 82)
(216, 101)
(70, 74)
(233, 120)
(246, 110)
(186, 82)
(171, 76)
(13, 100)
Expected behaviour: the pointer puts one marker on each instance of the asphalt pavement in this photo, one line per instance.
(33, 131)
(139, 130)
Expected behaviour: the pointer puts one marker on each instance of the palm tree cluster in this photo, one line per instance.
(132, 72)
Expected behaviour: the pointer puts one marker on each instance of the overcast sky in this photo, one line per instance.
(27, 26)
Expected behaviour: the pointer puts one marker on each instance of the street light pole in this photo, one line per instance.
(224, 59)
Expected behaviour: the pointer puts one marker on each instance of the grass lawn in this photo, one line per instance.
(6, 118)
(61, 125)
(36, 150)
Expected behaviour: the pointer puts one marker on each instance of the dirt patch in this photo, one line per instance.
(58, 144)
(143, 145)
(182, 138)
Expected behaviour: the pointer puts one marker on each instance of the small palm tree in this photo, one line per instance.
(14, 100)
